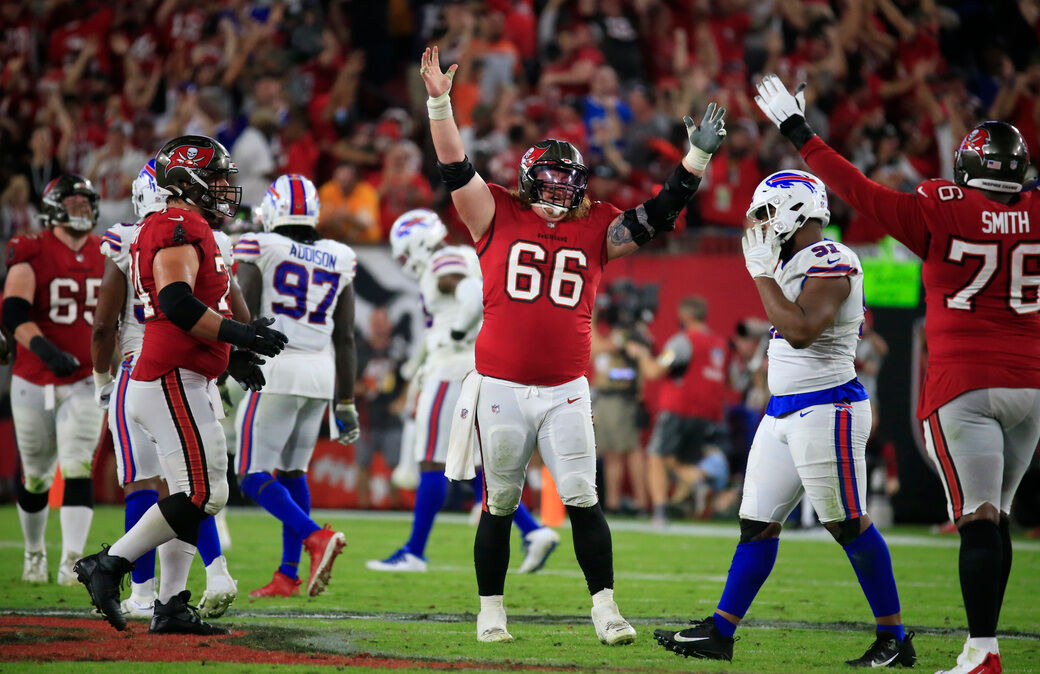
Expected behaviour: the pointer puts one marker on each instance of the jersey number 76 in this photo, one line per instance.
(1019, 256)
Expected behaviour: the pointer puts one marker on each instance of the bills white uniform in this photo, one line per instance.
(136, 453)
(447, 360)
(301, 286)
(814, 435)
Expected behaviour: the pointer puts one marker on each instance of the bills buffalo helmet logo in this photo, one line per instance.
(976, 141)
(190, 157)
(531, 156)
(791, 179)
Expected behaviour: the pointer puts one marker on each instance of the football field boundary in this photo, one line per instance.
(539, 619)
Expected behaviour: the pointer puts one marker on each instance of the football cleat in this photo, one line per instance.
(34, 570)
(402, 560)
(324, 545)
(975, 661)
(221, 590)
(66, 576)
(887, 652)
(491, 626)
(177, 617)
(103, 574)
(611, 628)
(540, 543)
(138, 606)
(702, 640)
(280, 586)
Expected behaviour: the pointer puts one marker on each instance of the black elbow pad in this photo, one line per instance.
(456, 175)
(180, 305)
(663, 209)
(17, 310)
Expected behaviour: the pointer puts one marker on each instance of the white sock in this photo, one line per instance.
(216, 568)
(174, 563)
(150, 531)
(145, 590)
(984, 644)
(75, 526)
(34, 528)
(491, 601)
(604, 596)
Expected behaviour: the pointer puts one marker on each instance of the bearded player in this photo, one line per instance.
(980, 405)
(183, 283)
(288, 271)
(542, 250)
(813, 438)
(49, 299)
(137, 459)
(452, 299)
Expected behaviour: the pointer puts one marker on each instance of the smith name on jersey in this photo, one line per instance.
(302, 283)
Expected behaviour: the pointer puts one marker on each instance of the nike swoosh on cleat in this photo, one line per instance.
(886, 662)
(571, 401)
(681, 639)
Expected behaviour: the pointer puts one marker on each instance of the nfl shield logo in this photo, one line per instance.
(496, 409)
(464, 413)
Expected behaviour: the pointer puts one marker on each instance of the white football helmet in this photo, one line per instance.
(414, 237)
(786, 199)
(147, 196)
(290, 200)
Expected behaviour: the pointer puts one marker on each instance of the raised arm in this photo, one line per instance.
(657, 215)
(469, 192)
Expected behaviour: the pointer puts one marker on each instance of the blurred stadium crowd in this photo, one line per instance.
(329, 90)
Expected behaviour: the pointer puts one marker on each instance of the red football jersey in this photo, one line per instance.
(981, 275)
(67, 285)
(700, 392)
(540, 283)
(166, 346)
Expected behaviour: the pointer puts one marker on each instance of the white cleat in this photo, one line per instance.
(611, 628)
(401, 560)
(66, 576)
(221, 590)
(35, 568)
(976, 661)
(138, 606)
(540, 544)
(491, 626)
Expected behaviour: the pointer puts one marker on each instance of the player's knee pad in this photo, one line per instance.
(578, 490)
(847, 531)
(503, 502)
(749, 529)
(183, 516)
(37, 484)
(31, 502)
(218, 497)
(77, 470)
(79, 492)
(253, 482)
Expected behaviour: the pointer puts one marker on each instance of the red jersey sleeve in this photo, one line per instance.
(177, 227)
(897, 213)
(22, 249)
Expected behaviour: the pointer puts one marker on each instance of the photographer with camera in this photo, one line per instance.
(688, 433)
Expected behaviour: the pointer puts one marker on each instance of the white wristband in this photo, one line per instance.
(101, 379)
(439, 107)
(697, 158)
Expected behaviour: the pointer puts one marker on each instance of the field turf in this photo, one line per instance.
(809, 617)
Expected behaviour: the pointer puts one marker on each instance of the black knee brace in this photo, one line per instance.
(751, 528)
(30, 502)
(79, 491)
(848, 531)
(183, 516)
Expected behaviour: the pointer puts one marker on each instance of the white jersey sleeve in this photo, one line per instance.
(302, 284)
(115, 245)
(447, 359)
(830, 360)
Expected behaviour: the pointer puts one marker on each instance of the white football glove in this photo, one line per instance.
(347, 422)
(776, 102)
(761, 251)
(104, 384)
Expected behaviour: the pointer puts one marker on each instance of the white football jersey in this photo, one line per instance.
(447, 359)
(115, 245)
(301, 285)
(830, 360)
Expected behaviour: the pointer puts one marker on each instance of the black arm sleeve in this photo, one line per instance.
(662, 210)
(796, 130)
(16, 311)
(181, 306)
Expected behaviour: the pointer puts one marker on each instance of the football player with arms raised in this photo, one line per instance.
(813, 438)
(980, 404)
(121, 313)
(183, 282)
(50, 296)
(542, 250)
(452, 299)
(288, 271)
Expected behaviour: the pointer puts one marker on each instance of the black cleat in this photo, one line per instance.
(103, 575)
(887, 652)
(702, 640)
(177, 617)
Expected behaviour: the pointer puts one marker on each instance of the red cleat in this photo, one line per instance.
(324, 546)
(280, 586)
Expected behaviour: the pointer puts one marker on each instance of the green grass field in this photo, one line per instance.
(810, 616)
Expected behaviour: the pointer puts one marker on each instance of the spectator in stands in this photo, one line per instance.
(112, 167)
(400, 185)
(731, 178)
(254, 156)
(17, 213)
(349, 208)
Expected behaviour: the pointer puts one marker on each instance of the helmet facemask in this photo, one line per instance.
(55, 212)
(557, 187)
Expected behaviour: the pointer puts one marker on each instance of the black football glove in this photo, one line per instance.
(61, 363)
(244, 367)
(255, 336)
